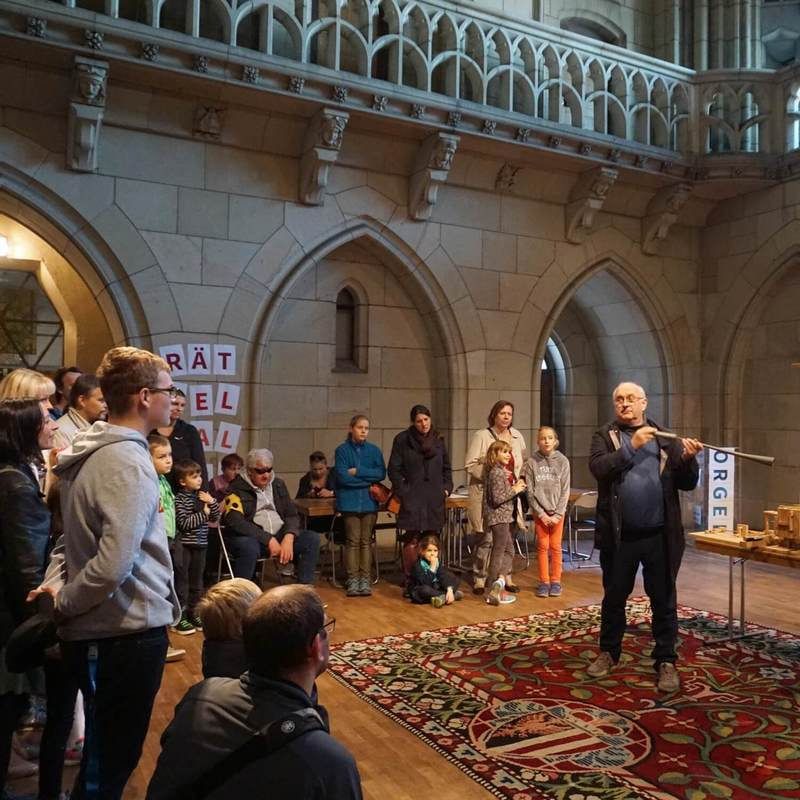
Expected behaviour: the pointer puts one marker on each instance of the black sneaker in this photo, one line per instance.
(184, 627)
(197, 622)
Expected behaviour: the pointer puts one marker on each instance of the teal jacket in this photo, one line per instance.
(352, 491)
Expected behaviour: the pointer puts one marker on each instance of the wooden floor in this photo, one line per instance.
(393, 763)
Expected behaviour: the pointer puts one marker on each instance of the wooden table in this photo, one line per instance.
(316, 506)
(727, 543)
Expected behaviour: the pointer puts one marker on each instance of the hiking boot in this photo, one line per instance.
(543, 590)
(438, 601)
(353, 587)
(175, 654)
(668, 678)
(601, 666)
(364, 587)
(184, 627)
(555, 590)
(479, 586)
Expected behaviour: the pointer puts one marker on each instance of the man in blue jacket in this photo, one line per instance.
(639, 522)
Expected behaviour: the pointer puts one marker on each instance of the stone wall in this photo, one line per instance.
(192, 239)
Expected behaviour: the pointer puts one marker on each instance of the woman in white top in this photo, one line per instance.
(499, 429)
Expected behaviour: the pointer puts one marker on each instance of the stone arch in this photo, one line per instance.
(664, 377)
(757, 386)
(417, 280)
(68, 237)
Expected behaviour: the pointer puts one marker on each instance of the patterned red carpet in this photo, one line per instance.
(511, 705)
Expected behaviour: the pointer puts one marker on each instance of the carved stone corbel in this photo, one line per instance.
(434, 159)
(323, 141)
(86, 108)
(662, 213)
(585, 200)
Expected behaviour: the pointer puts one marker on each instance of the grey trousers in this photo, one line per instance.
(483, 554)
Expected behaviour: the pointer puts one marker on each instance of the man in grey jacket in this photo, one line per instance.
(118, 599)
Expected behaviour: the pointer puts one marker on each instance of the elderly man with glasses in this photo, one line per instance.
(261, 520)
(639, 522)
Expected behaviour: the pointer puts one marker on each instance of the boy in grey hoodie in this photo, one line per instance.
(547, 475)
(118, 599)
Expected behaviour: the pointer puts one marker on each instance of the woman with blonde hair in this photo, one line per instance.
(25, 382)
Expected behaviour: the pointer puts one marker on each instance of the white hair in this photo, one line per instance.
(259, 456)
(638, 388)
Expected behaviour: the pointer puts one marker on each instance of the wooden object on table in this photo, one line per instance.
(782, 527)
(727, 543)
(316, 506)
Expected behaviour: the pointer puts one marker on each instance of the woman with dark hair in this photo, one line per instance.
(86, 406)
(499, 429)
(419, 469)
(25, 430)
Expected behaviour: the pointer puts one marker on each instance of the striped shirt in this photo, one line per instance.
(191, 520)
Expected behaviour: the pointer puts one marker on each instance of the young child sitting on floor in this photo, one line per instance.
(431, 582)
(221, 611)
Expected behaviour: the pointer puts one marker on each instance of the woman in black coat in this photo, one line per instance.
(419, 469)
(25, 430)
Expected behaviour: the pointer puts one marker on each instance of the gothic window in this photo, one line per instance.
(346, 330)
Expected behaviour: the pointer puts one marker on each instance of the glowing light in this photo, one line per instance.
(3, 246)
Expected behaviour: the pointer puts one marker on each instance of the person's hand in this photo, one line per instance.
(287, 549)
(519, 486)
(352, 471)
(434, 564)
(691, 447)
(642, 436)
(325, 493)
(274, 547)
(449, 597)
(546, 520)
(34, 593)
(206, 510)
(446, 493)
(205, 498)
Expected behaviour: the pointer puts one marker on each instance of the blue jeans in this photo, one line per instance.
(246, 550)
(119, 678)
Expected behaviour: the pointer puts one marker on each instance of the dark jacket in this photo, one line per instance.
(220, 714)
(24, 541)
(304, 487)
(186, 444)
(420, 482)
(239, 508)
(223, 658)
(352, 491)
(608, 463)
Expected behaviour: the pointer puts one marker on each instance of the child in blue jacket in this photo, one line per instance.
(358, 464)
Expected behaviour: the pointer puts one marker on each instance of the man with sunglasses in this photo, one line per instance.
(261, 520)
(208, 748)
(639, 522)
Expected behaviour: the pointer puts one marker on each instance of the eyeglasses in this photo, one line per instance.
(172, 391)
(262, 470)
(627, 401)
(329, 627)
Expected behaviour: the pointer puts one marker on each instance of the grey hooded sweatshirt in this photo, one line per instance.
(547, 479)
(118, 569)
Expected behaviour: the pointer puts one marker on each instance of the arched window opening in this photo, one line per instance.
(31, 332)
(346, 331)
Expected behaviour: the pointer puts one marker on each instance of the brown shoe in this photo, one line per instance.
(601, 666)
(668, 678)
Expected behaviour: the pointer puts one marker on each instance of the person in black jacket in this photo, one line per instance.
(421, 476)
(639, 522)
(260, 520)
(25, 430)
(184, 439)
(318, 482)
(430, 581)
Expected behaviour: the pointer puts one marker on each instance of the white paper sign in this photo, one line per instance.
(174, 356)
(201, 400)
(227, 437)
(198, 359)
(721, 484)
(227, 399)
(224, 359)
(205, 427)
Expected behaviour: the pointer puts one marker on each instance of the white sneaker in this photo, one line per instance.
(498, 596)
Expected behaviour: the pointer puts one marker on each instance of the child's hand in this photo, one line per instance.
(519, 486)
(434, 564)
(449, 597)
(205, 497)
(206, 511)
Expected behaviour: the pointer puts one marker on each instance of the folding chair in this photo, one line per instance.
(586, 502)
